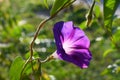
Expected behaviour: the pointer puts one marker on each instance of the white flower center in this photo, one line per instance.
(67, 46)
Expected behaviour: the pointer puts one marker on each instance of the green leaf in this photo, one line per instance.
(97, 1)
(97, 11)
(82, 25)
(107, 52)
(28, 69)
(45, 2)
(110, 7)
(57, 5)
(16, 68)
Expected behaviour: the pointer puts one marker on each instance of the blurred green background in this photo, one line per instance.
(19, 20)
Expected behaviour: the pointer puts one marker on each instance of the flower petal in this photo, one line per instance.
(81, 57)
(67, 29)
(72, 44)
(57, 34)
(79, 39)
(75, 35)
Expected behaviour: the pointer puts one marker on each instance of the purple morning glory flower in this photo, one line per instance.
(72, 44)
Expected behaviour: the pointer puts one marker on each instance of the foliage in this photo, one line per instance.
(18, 21)
(110, 7)
(16, 69)
(58, 5)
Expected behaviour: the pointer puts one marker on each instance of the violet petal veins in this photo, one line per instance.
(72, 44)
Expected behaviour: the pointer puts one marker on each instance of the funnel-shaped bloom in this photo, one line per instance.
(72, 44)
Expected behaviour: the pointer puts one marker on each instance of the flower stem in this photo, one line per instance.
(31, 46)
(39, 69)
(47, 59)
(24, 66)
(35, 36)
(89, 16)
